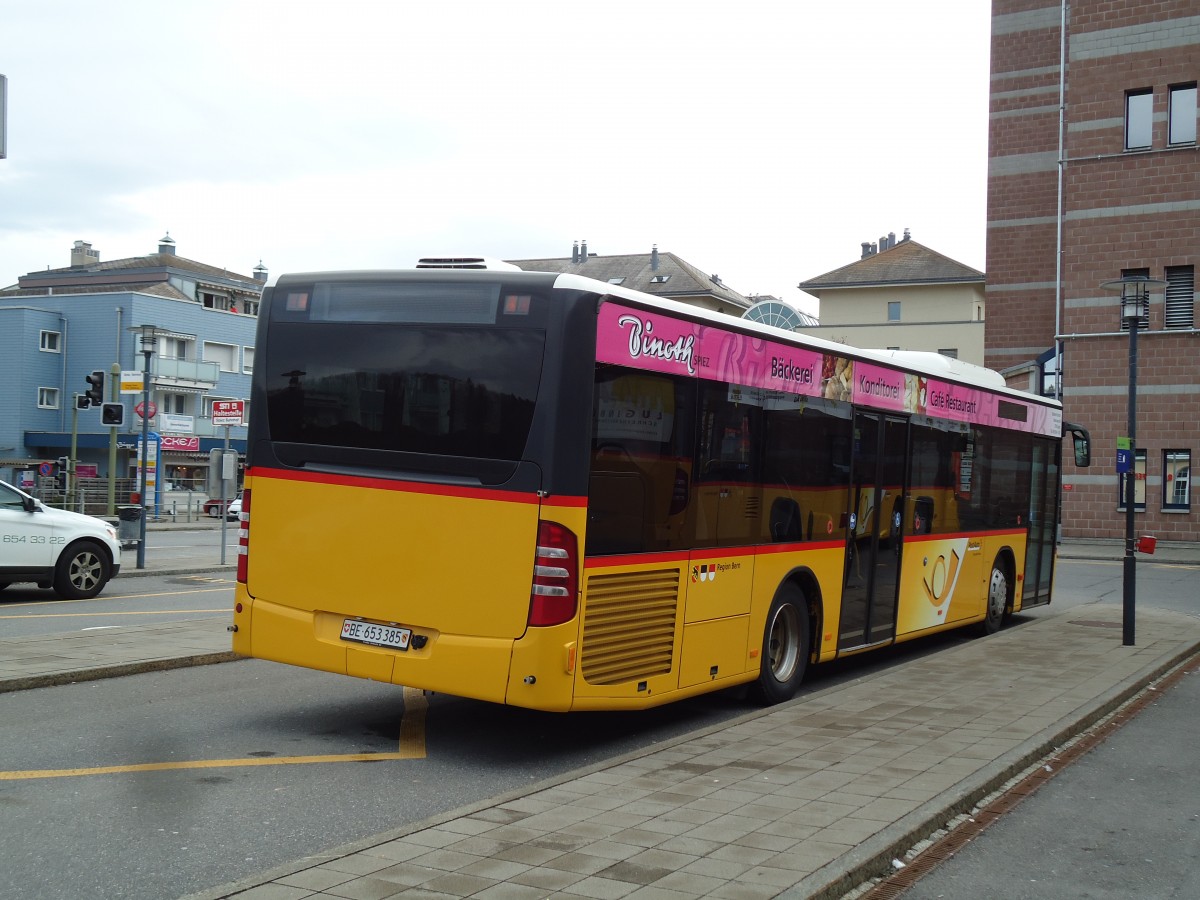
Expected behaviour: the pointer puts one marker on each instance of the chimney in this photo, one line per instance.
(166, 245)
(891, 239)
(654, 258)
(260, 273)
(883, 244)
(866, 250)
(583, 254)
(82, 254)
(575, 252)
(907, 236)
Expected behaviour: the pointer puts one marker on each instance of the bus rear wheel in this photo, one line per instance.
(785, 647)
(997, 600)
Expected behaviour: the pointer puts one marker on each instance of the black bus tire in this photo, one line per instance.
(785, 647)
(997, 599)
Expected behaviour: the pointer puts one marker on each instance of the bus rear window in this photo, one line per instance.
(419, 302)
(449, 389)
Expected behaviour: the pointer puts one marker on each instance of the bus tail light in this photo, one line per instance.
(243, 536)
(552, 597)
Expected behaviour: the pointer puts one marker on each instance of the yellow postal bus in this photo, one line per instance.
(542, 490)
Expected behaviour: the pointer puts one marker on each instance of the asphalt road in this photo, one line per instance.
(308, 761)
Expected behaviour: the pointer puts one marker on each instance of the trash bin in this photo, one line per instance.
(129, 524)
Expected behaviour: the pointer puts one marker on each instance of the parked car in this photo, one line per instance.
(212, 506)
(235, 509)
(74, 554)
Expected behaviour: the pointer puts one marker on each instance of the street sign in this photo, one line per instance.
(1124, 456)
(228, 412)
(140, 409)
(131, 382)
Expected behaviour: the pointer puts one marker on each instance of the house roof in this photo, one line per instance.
(158, 289)
(906, 263)
(637, 271)
(138, 273)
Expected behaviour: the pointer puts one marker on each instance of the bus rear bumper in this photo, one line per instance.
(461, 665)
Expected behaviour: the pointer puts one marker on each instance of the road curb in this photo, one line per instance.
(99, 673)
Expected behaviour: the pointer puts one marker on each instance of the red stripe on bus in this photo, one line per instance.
(416, 487)
(948, 535)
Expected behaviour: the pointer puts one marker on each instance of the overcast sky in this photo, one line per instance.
(762, 141)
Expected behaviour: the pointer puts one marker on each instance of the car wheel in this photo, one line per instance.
(81, 572)
(785, 647)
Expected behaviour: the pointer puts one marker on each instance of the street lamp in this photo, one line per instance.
(1135, 305)
(148, 342)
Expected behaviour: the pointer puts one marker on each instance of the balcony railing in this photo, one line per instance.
(165, 373)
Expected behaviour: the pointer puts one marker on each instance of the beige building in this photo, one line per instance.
(900, 295)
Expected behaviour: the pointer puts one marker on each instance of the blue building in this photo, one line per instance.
(59, 326)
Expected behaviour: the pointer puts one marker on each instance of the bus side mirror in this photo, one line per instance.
(1083, 446)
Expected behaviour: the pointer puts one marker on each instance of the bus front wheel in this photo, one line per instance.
(785, 647)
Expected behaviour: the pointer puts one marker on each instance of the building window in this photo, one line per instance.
(172, 348)
(618, 280)
(174, 403)
(1180, 296)
(893, 311)
(951, 352)
(47, 398)
(247, 360)
(659, 279)
(1177, 467)
(1139, 483)
(1181, 115)
(51, 342)
(224, 355)
(1139, 118)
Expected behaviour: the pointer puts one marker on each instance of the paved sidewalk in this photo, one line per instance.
(803, 800)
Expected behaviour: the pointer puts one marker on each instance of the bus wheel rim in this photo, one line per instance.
(997, 594)
(783, 646)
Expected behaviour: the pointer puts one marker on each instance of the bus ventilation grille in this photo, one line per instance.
(629, 626)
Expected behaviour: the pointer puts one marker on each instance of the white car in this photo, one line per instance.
(234, 511)
(72, 553)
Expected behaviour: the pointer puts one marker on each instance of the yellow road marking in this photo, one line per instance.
(412, 725)
(29, 774)
(116, 597)
(412, 746)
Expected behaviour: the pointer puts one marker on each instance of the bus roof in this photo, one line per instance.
(934, 365)
(928, 363)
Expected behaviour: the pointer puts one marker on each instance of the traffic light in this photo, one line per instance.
(83, 401)
(64, 466)
(95, 393)
(112, 414)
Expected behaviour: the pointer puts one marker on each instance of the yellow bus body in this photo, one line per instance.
(651, 628)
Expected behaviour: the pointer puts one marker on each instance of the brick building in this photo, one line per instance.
(1093, 175)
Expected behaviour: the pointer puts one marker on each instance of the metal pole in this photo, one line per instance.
(114, 390)
(1129, 594)
(141, 551)
(224, 505)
